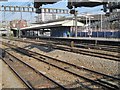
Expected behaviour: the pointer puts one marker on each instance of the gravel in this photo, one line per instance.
(9, 79)
(58, 75)
(98, 64)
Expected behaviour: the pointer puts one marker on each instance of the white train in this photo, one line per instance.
(3, 32)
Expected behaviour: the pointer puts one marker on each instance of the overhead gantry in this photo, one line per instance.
(108, 5)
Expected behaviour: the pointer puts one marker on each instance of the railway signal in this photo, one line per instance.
(70, 6)
(72, 11)
(111, 6)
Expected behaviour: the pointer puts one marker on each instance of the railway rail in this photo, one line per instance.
(84, 45)
(62, 87)
(93, 78)
(111, 48)
(79, 45)
(76, 50)
(100, 47)
(32, 75)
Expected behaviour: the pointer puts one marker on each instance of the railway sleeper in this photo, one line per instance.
(94, 82)
(109, 83)
(38, 73)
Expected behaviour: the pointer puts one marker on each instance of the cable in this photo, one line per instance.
(14, 3)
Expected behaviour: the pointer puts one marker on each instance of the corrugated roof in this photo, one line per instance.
(54, 24)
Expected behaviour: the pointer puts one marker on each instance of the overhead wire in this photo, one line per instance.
(11, 13)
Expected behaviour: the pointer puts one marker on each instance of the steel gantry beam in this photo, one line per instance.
(32, 9)
(17, 9)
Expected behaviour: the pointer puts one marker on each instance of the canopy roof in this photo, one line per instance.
(65, 23)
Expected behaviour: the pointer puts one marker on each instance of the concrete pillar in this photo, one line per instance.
(29, 33)
(43, 32)
(32, 33)
(25, 33)
(37, 32)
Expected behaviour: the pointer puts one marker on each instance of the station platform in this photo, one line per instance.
(90, 40)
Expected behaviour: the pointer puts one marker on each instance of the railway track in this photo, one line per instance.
(92, 78)
(32, 78)
(76, 50)
(82, 45)
(100, 47)
(70, 86)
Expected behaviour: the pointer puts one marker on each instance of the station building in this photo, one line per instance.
(63, 28)
(98, 26)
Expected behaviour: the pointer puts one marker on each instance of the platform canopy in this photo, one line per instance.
(65, 23)
(2, 29)
(15, 29)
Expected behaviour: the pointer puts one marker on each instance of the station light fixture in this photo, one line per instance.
(72, 11)
(107, 14)
(38, 10)
(105, 8)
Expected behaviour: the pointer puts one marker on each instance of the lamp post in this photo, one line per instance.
(101, 25)
(89, 28)
(75, 23)
(18, 28)
(86, 26)
(74, 12)
(101, 22)
(21, 13)
(19, 22)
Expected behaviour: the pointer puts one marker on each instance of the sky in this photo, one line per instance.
(60, 4)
